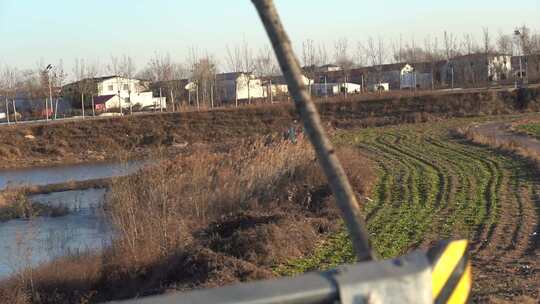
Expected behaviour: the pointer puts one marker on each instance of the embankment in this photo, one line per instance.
(140, 135)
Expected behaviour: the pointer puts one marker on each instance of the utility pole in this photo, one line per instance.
(48, 71)
(519, 39)
(118, 84)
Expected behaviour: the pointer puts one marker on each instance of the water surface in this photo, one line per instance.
(25, 243)
(61, 174)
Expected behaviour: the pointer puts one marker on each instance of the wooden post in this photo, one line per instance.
(326, 155)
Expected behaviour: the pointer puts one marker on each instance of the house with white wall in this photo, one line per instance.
(280, 87)
(113, 92)
(331, 89)
(239, 86)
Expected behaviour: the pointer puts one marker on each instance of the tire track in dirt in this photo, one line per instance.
(480, 194)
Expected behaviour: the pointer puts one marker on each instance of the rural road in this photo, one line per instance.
(500, 132)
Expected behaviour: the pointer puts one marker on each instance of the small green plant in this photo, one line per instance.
(532, 129)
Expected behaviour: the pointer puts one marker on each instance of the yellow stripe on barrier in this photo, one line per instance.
(463, 288)
(445, 265)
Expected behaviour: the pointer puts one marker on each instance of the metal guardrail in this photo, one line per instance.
(440, 275)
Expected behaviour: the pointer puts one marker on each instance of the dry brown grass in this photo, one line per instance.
(203, 220)
(507, 145)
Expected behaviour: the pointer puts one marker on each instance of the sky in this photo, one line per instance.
(34, 30)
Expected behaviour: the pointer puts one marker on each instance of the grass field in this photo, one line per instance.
(532, 129)
(434, 185)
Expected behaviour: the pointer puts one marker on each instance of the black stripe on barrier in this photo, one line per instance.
(453, 281)
(435, 253)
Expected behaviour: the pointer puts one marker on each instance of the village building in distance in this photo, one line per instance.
(115, 93)
(109, 93)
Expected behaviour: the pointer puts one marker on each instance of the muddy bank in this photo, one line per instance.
(173, 133)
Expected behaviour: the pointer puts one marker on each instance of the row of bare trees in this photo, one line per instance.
(40, 83)
(201, 68)
(377, 51)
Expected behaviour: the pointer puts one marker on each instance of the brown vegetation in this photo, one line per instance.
(15, 204)
(209, 219)
(103, 139)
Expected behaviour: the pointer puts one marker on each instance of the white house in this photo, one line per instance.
(113, 92)
(330, 89)
(128, 93)
(239, 86)
(279, 85)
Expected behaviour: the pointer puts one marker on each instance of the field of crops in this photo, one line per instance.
(435, 185)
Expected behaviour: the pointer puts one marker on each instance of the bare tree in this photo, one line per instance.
(486, 41)
(92, 71)
(450, 45)
(114, 68)
(161, 72)
(309, 54)
(234, 59)
(360, 57)
(10, 80)
(127, 70)
(203, 70)
(58, 78)
(468, 44)
(343, 59)
(322, 54)
(504, 43)
(265, 67)
(265, 63)
(79, 71)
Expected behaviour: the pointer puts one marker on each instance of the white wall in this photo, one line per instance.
(137, 100)
(110, 86)
(255, 89)
(499, 65)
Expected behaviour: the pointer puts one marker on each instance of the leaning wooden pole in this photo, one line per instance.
(330, 163)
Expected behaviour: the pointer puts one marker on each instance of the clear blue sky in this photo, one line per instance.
(31, 30)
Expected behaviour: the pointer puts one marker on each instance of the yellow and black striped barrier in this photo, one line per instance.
(441, 275)
(451, 272)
